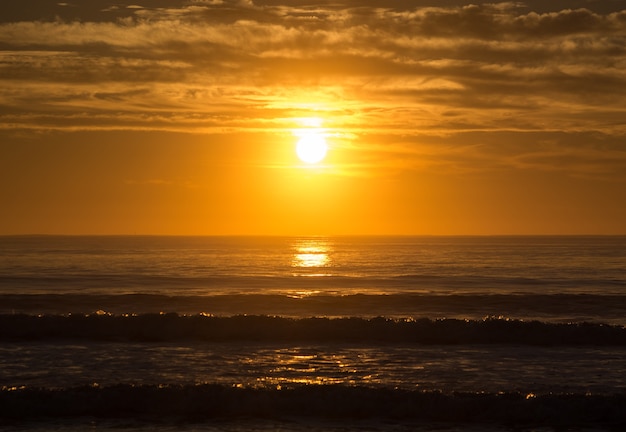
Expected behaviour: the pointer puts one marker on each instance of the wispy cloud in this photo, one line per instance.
(375, 68)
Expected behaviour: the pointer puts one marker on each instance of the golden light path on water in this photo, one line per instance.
(310, 365)
(311, 254)
(311, 258)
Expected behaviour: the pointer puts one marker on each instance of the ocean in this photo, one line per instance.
(134, 333)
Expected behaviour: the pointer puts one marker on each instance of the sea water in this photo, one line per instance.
(312, 333)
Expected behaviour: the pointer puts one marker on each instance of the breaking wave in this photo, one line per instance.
(198, 402)
(543, 307)
(102, 326)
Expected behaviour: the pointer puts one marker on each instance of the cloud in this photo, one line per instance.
(234, 65)
(577, 154)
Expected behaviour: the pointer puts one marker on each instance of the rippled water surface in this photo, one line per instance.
(216, 334)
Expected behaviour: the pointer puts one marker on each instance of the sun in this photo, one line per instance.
(311, 147)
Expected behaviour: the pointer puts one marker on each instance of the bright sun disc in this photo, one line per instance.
(311, 148)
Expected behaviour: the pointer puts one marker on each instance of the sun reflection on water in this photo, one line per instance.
(292, 367)
(311, 254)
(311, 258)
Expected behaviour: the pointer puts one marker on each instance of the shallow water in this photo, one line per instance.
(465, 368)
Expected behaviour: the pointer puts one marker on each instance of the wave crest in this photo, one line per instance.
(174, 327)
(196, 402)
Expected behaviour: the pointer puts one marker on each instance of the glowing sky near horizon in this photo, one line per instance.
(440, 117)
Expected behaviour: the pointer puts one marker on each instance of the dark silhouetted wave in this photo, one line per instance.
(544, 307)
(197, 402)
(173, 327)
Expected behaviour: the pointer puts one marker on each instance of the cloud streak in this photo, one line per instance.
(427, 69)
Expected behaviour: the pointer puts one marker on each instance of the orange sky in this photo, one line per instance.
(181, 117)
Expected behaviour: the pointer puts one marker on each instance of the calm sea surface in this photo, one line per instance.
(312, 333)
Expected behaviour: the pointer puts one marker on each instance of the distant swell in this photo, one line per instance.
(197, 402)
(174, 327)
